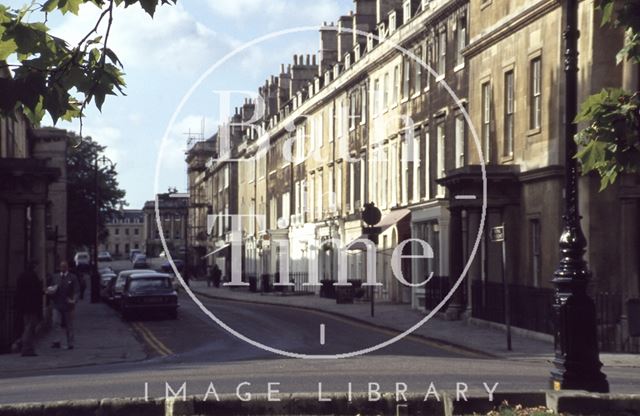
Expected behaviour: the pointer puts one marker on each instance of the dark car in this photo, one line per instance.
(140, 262)
(149, 292)
(107, 293)
(120, 282)
(166, 266)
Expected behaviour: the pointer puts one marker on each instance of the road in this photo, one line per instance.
(195, 351)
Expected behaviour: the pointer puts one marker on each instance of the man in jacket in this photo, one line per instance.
(29, 305)
(66, 289)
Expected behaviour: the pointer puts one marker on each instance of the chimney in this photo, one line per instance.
(328, 47)
(383, 7)
(301, 74)
(364, 19)
(345, 37)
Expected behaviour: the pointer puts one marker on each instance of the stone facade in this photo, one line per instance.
(32, 205)
(125, 232)
(367, 122)
(172, 208)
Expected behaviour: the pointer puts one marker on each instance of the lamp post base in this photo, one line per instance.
(576, 365)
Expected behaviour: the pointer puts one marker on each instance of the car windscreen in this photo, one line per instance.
(149, 283)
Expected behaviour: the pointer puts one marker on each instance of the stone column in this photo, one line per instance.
(17, 242)
(38, 239)
(475, 270)
(456, 304)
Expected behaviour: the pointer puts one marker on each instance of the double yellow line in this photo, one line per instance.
(157, 345)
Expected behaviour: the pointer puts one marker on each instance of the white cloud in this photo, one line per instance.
(173, 39)
(174, 148)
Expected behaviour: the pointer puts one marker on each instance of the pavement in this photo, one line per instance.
(476, 336)
(100, 338)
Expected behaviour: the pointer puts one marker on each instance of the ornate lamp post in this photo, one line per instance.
(95, 277)
(576, 364)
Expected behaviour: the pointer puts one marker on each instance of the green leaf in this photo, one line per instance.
(7, 48)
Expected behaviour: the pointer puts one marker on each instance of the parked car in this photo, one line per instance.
(140, 262)
(118, 286)
(133, 253)
(149, 292)
(106, 277)
(82, 261)
(104, 256)
(107, 293)
(166, 266)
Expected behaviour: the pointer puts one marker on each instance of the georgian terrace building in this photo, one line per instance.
(352, 142)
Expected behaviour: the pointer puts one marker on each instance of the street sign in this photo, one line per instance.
(497, 234)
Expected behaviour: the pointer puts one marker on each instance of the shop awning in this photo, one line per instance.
(385, 223)
(216, 251)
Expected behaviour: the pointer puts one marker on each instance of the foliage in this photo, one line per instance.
(81, 192)
(51, 76)
(610, 143)
(506, 410)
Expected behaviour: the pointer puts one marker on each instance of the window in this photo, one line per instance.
(429, 62)
(396, 85)
(417, 79)
(136, 231)
(352, 111)
(417, 166)
(407, 78)
(319, 195)
(406, 11)
(311, 194)
(393, 164)
(117, 231)
(385, 91)
(460, 130)
(440, 165)
(442, 52)
(286, 210)
(427, 173)
(509, 109)
(351, 184)
(339, 186)
(535, 94)
(461, 40)
(126, 231)
(339, 117)
(404, 172)
(534, 227)
(376, 97)
(331, 188)
(486, 120)
(363, 104)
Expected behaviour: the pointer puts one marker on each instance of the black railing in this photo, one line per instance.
(435, 290)
(299, 279)
(530, 307)
(608, 317)
(10, 326)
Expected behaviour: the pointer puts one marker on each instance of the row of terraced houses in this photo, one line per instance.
(364, 120)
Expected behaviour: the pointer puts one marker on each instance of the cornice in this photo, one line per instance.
(510, 26)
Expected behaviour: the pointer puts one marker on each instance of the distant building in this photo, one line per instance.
(125, 232)
(172, 208)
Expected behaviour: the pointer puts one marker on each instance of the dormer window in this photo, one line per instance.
(317, 85)
(347, 61)
(327, 77)
(406, 11)
(369, 42)
(356, 53)
(392, 22)
(382, 32)
(336, 71)
(425, 4)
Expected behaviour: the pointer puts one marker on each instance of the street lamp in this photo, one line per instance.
(576, 365)
(95, 278)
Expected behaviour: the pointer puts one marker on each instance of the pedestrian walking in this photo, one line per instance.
(64, 290)
(29, 305)
(216, 275)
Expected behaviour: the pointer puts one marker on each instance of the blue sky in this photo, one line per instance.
(164, 56)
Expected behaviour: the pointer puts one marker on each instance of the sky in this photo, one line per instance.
(163, 59)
